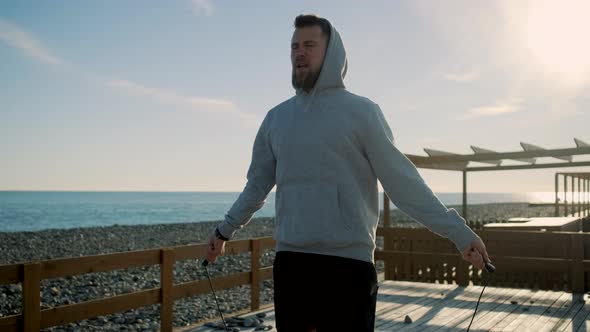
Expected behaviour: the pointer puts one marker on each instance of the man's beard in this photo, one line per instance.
(305, 82)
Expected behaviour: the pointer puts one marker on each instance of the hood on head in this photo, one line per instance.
(334, 66)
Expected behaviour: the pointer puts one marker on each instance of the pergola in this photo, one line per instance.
(443, 160)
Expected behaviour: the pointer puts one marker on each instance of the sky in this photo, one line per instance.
(168, 96)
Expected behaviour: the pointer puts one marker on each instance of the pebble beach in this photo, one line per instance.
(16, 247)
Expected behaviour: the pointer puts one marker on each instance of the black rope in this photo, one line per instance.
(477, 305)
(490, 269)
(205, 263)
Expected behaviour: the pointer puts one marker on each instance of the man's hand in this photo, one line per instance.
(476, 254)
(215, 247)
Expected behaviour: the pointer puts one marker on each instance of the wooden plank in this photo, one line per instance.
(529, 236)
(464, 307)
(32, 297)
(554, 310)
(10, 274)
(415, 306)
(267, 243)
(76, 312)
(407, 233)
(462, 272)
(98, 263)
(266, 273)
(514, 263)
(430, 319)
(389, 294)
(503, 310)
(195, 251)
(515, 309)
(394, 296)
(425, 256)
(11, 323)
(255, 275)
(192, 288)
(575, 306)
(579, 322)
(521, 315)
(538, 309)
(167, 285)
(456, 158)
(410, 304)
(198, 251)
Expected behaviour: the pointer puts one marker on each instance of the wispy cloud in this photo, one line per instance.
(202, 7)
(172, 98)
(31, 46)
(17, 37)
(494, 110)
(466, 76)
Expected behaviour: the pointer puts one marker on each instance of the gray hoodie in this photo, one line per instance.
(325, 151)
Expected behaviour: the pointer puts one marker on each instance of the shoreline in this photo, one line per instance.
(18, 247)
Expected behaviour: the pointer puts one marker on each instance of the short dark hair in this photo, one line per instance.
(307, 20)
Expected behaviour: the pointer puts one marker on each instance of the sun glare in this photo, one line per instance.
(557, 36)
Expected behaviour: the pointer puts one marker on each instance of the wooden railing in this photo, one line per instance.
(32, 318)
(545, 260)
(524, 259)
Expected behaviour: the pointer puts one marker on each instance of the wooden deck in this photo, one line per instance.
(567, 224)
(443, 307)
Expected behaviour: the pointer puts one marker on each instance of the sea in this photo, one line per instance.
(40, 210)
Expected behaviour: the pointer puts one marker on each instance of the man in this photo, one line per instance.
(325, 148)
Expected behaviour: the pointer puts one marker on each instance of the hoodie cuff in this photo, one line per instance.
(226, 228)
(462, 235)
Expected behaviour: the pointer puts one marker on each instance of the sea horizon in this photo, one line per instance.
(24, 210)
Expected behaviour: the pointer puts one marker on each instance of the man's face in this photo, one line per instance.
(308, 48)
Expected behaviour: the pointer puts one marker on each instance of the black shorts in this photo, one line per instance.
(325, 293)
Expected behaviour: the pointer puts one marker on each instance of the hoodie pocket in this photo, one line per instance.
(309, 215)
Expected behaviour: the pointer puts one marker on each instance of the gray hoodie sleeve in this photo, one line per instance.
(261, 179)
(406, 188)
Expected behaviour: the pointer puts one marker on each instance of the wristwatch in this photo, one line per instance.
(220, 236)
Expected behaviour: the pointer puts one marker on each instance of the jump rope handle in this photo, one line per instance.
(205, 263)
(490, 268)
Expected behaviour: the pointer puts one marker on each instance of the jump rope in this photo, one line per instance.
(488, 266)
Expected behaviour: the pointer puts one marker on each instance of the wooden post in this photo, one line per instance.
(465, 195)
(386, 217)
(577, 254)
(462, 273)
(586, 196)
(255, 275)
(556, 214)
(565, 210)
(166, 284)
(573, 203)
(388, 266)
(32, 297)
(580, 206)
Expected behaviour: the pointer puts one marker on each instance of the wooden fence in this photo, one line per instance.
(524, 259)
(32, 318)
